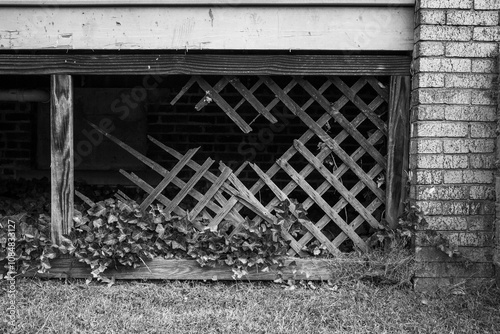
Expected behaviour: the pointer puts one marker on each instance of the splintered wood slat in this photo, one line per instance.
(254, 102)
(218, 87)
(240, 122)
(84, 198)
(183, 90)
(339, 118)
(381, 89)
(323, 204)
(210, 194)
(359, 103)
(166, 181)
(189, 186)
(348, 196)
(324, 137)
(305, 222)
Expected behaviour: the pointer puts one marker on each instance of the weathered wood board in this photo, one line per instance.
(310, 269)
(207, 2)
(207, 28)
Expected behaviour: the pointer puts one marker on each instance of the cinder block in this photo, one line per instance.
(452, 65)
(431, 16)
(425, 80)
(487, 4)
(455, 161)
(471, 18)
(463, 80)
(482, 130)
(443, 33)
(440, 129)
(429, 177)
(461, 4)
(442, 96)
(426, 49)
(469, 113)
(483, 65)
(471, 49)
(486, 34)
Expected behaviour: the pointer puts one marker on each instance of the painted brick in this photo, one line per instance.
(442, 95)
(486, 34)
(461, 4)
(487, 4)
(433, 193)
(431, 16)
(474, 254)
(469, 80)
(426, 146)
(429, 112)
(446, 223)
(460, 208)
(469, 113)
(443, 33)
(482, 161)
(425, 49)
(441, 129)
(472, 49)
(483, 65)
(483, 97)
(482, 130)
(481, 223)
(429, 176)
(471, 18)
(443, 65)
(468, 176)
(429, 161)
(481, 146)
(424, 80)
(455, 161)
(482, 192)
(468, 146)
(469, 239)
(455, 270)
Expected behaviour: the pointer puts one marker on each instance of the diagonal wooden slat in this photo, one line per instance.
(189, 186)
(210, 194)
(336, 184)
(339, 118)
(323, 204)
(324, 137)
(218, 87)
(240, 122)
(166, 181)
(84, 198)
(360, 104)
(305, 222)
(381, 89)
(183, 91)
(254, 102)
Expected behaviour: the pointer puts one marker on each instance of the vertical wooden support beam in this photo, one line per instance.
(496, 249)
(398, 148)
(61, 144)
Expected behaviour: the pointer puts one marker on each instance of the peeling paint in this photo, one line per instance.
(211, 17)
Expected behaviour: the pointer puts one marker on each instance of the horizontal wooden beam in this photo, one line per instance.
(207, 28)
(206, 2)
(207, 64)
(301, 269)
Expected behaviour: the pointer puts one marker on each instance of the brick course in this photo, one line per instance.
(454, 130)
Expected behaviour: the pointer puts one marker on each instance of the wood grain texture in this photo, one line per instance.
(397, 148)
(207, 28)
(61, 146)
(310, 269)
(193, 64)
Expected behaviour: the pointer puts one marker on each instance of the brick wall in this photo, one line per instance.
(454, 113)
(15, 137)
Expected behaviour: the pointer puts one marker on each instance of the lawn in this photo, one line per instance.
(71, 306)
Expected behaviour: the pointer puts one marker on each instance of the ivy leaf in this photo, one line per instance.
(160, 230)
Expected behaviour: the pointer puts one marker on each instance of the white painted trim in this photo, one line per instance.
(97, 3)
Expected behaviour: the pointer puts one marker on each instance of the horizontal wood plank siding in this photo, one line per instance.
(207, 28)
(146, 64)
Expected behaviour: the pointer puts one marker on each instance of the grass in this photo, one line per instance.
(71, 306)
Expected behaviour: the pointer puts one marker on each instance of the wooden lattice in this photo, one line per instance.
(227, 198)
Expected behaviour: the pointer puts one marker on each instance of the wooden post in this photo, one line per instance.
(496, 246)
(398, 148)
(61, 144)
